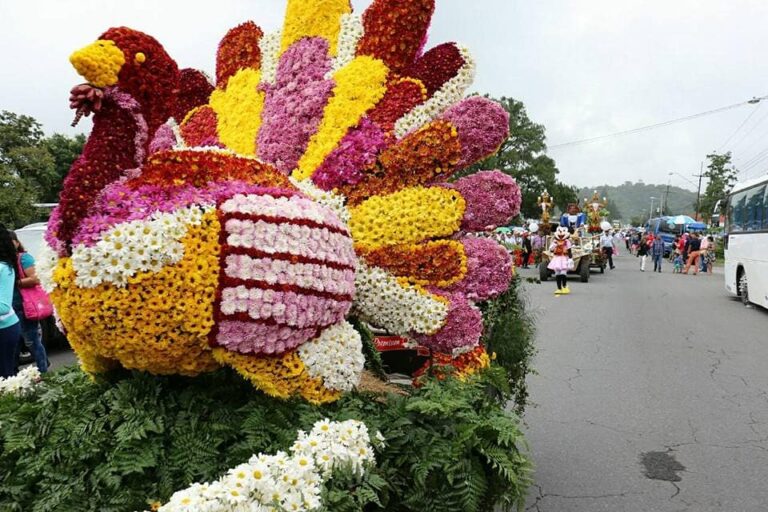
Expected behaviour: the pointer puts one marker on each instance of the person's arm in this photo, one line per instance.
(6, 290)
(30, 280)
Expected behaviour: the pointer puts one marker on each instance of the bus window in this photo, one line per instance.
(753, 213)
(736, 212)
(765, 210)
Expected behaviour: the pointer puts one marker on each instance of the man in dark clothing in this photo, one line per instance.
(692, 249)
(527, 249)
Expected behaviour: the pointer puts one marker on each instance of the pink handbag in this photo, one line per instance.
(37, 305)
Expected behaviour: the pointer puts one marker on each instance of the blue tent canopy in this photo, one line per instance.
(696, 226)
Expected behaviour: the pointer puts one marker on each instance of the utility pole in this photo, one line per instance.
(665, 203)
(650, 213)
(698, 192)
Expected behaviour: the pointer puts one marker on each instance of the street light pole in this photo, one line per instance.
(650, 213)
(665, 203)
(698, 192)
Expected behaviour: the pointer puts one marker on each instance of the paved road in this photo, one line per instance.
(651, 393)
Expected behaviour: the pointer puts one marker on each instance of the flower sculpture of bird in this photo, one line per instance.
(241, 224)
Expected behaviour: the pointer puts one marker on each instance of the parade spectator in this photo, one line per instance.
(693, 247)
(607, 245)
(703, 253)
(31, 330)
(709, 257)
(684, 245)
(642, 251)
(527, 249)
(9, 322)
(657, 252)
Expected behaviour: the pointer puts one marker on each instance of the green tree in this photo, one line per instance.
(64, 150)
(522, 157)
(722, 176)
(32, 167)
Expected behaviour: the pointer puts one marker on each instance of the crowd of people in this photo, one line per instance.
(17, 271)
(689, 251)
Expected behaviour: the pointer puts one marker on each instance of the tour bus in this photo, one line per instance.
(746, 242)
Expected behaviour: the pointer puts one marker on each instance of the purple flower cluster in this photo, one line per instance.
(356, 151)
(164, 139)
(293, 106)
(463, 325)
(482, 125)
(493, 199)
(120, 203)
(489, 270)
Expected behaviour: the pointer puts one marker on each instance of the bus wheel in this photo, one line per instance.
(744, 289)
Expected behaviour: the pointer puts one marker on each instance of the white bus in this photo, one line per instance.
(746, 242)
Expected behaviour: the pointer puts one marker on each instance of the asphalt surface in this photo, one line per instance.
(651, 395)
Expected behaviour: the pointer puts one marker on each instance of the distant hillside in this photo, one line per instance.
(634, 199)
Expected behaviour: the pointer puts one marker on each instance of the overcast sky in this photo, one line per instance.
(583, 68)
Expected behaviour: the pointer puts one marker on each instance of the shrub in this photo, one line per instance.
(133, 438)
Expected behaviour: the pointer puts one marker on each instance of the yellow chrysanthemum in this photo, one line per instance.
(313, 18)
(280, 376)
(359, 86)
(408, 216)
(159, 322)
(238, 109)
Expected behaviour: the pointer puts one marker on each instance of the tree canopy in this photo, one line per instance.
(32, 166)
(722, 176)
(522, 157)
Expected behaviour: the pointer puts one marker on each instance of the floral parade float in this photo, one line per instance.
(261, 221)
(240, 225)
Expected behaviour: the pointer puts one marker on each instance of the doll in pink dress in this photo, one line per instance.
(561, 259)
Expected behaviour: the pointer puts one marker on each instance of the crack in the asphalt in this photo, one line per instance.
(540, 497)
(569, 379)
(535, 506)
(614, 429)
(677, 490)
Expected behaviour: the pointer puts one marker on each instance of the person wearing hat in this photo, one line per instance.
(607, 246)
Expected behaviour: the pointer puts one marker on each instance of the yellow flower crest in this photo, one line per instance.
(407, 216)
(359, 87)
(99, 62)
(179, 295)
(310, 18)
(238, 108)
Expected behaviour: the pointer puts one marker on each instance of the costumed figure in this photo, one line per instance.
(574, 218)
(561, 259)
(596, 211)
(545, 202)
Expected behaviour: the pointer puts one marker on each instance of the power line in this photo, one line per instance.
(749, 132)
(754, 159)
(657, 125)
(739, 128)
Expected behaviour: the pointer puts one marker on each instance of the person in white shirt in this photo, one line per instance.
(607, 245)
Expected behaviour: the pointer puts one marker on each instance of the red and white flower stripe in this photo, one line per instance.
(288, 268)
(310, 276)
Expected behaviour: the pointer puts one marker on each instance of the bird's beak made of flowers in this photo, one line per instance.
(99, 63)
